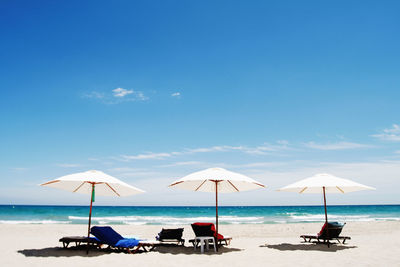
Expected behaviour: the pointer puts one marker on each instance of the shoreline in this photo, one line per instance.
(372, 244)
(167, 215)
(195, 206)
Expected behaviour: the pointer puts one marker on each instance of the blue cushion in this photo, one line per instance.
(127, 243)
(94, 239)
(106, 234)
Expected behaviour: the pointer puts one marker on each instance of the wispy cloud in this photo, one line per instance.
(391, 134)
(68, 165)
(258, 150)
(117, 95)
(140, 96)
(335, 146)
(183, 163)
(176, 94)
(121, 92)
(19, 169)
(260, 164)
(149, 155)
(208, 149)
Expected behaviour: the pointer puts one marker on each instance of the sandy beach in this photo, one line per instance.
(372, 244)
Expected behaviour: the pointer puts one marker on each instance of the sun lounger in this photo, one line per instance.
(208, 229)
(330, 231)
(78, 240)
(171, 235)
(108, 236)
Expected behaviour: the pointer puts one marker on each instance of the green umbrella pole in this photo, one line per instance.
(90, 218)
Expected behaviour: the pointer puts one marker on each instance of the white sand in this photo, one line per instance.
(372, 244)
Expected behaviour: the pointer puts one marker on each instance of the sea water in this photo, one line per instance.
(160, 215)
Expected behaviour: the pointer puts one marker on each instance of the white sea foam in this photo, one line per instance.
(33, 222)
(290, 217)
(135, 223)
(339, 217)
(140, 220)
(169, 220)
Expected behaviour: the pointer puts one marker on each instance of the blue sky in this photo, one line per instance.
(149, 91)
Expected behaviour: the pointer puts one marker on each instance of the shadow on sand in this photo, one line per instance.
(173, 249)
(81, 251)
(63, 252)
(308, 247)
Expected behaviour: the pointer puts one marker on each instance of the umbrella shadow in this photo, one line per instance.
(62, 252)
(308, 247)
(174, 250)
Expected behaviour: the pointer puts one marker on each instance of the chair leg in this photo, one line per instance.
(202, 246)
(136, 249)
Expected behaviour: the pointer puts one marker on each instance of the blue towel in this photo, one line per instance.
(127, 243)
(108, 236)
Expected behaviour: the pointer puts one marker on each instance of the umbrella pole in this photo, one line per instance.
(90, 219)
(216, 214)
(326, 214)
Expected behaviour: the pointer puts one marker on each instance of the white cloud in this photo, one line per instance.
(140, 96)
(283, 142)
(207, 149)
(183, 163)
(176, 94)
(259, 150)
(259, 164)
(68, 165)
(391, 134)
(121, 92)
(146, 156)
(116, 96)
(335, 146)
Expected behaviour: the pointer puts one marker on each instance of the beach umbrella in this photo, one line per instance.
(325, 183)
(94, 183)
(217, 180)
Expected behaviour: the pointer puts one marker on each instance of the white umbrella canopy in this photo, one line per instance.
(206, 180)
(332, 184)
(325, 183)
(93, 182)
(82, 182)
(217, 180)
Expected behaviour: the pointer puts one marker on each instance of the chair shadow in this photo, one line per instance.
(62, 252)
(174, 250)
(309, 247)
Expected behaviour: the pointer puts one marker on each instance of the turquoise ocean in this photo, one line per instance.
(160, 215)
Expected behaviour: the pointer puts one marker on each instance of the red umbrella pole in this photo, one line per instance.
(326, 214)
(90, 219)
